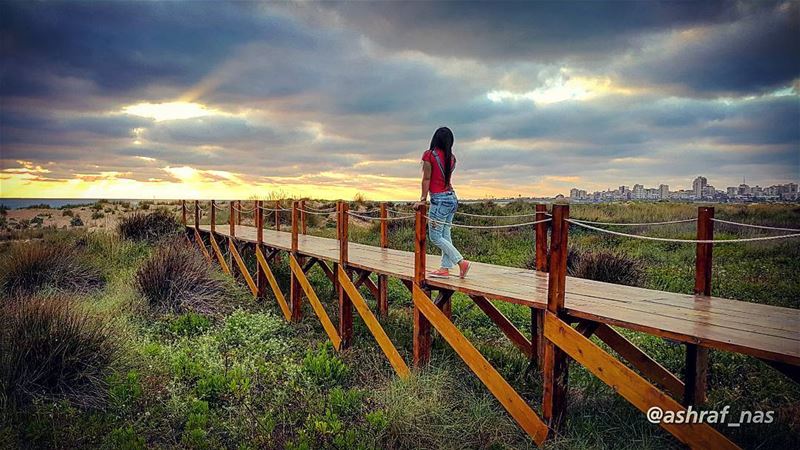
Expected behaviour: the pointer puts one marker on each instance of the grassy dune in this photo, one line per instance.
(238, 376)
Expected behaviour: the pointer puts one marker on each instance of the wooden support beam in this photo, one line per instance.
(303, 218)
(408, 284)
(640, 360)
(295, 288)
(587, 327)
(345, 304)
(362, 276)
(537, 315)
(327, 270)
(514, 335)
(213, 218)
(629, 384)
(276, 289)
(444, 302)
(217, 251)
(258, 217)
(383, 280)
(231, 232)
(373, 325)
(309, 264)
(238, 212)
(183, 212)
(695, 392)
(791, 371)
(422, 327)
(202, 245)
(316, 305)
(243, 268)
(196, 214)
(277, 215)
(516, 406)
(555, 367)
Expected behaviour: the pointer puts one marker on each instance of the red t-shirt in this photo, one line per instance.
(437, 178)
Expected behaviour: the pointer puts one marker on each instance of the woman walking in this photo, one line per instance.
(438, 163)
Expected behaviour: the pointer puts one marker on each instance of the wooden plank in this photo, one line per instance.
(202, 245)
(276, 289)
(640, 360)
(374, 326)
(316, 305)
(514, 335)
(218, 252)
(243, 268)
(629, 384)
(516, 406)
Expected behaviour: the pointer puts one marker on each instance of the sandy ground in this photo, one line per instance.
(56, 218)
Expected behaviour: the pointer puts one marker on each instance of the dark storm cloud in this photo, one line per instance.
(754, 55)
(327, 86)
(123, 46)
(524, 30)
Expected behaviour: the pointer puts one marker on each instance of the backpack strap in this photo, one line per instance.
(441, 167)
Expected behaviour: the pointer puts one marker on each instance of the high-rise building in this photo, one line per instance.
(663, 191)
(699, 185)
(638, 192)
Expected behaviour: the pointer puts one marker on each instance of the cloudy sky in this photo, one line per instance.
(195, 99)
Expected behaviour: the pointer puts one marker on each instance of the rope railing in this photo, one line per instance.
(488, 227)
(510, 216)
(360, 216)
(628, 224)
(316, 213)
(320, 210)
(273, 209)
(685, 241)
(750, 225)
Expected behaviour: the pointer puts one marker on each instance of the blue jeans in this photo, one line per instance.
(443, 208)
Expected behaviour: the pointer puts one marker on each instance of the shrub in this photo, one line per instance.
(325, 368)
(50, 350)
(150, 227)
(97, 215)
(573, 256)
(32, 266)
(76, 221)
(176, 279)
(68, 213)
(608, 267)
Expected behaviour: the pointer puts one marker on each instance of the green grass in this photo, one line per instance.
(247, 379)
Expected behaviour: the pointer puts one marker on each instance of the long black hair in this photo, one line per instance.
(443, 140)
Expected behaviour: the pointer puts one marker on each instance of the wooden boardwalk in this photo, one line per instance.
(565, 311)
(763, 331)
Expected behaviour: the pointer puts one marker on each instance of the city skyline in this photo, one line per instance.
(700, 189)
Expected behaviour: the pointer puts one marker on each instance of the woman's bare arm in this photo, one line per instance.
(426, 180)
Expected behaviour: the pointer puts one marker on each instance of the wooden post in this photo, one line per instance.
(383, 280)
(277, 215)
(345, 303)
(541, 238)
(232, 220)
(422, 327)
(256, 210)
(295, 225)
(183, 212)
(213, 218)
(555, 360)
(261, 277)
(537, 315)
(295, 289)
(231, 233)
(238, 212)
(197, 214)
(303, 218)
(697, 356)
